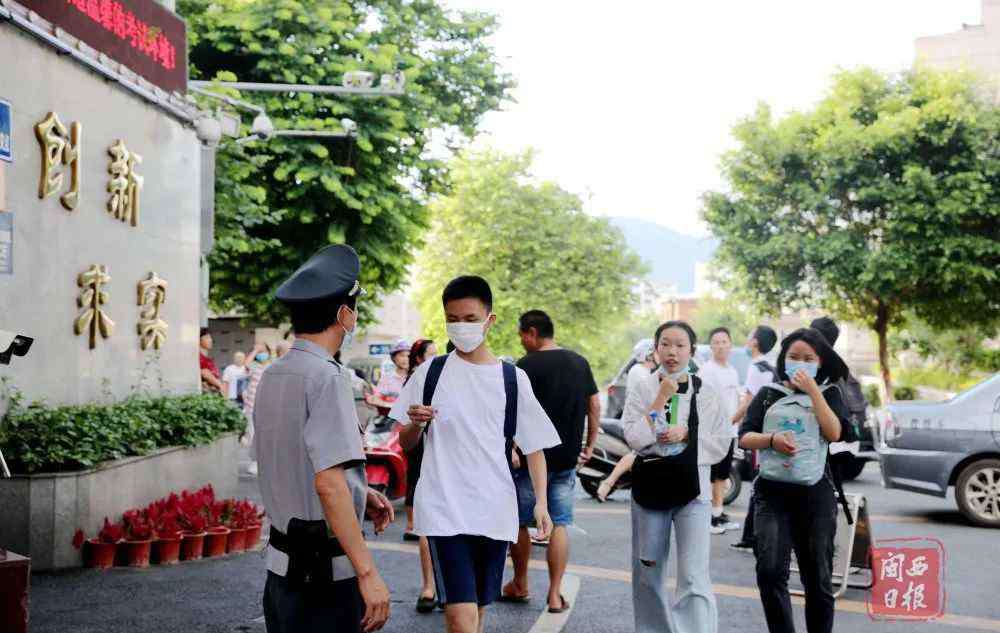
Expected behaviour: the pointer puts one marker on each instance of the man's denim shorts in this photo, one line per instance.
(560, 485)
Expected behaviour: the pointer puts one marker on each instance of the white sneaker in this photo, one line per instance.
(717, 529)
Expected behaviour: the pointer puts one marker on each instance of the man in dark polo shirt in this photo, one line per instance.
(565, 387)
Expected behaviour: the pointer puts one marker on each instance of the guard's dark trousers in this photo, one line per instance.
(807, 523)
(336, 609)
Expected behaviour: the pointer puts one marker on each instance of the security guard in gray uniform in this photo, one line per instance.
(320, 574)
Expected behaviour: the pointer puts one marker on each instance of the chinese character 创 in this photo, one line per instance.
(59, 147)
(93, 319)
(152, 292)
(892, 567)
(125, 184)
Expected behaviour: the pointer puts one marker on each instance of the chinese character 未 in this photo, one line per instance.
(59, 147)
(125, 184)
(93, 318)
(152, 292)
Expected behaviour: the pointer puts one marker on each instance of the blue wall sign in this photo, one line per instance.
(6, 243)
(6, 149)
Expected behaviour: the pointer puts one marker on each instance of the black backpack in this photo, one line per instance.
(763, 365)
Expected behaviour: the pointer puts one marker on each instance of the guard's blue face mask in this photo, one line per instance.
(793, 366)
(262, 357)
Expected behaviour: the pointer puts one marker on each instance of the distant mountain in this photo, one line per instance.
(671, 255)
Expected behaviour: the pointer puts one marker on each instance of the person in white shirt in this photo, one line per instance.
(232, 375)
(465, 501)
(759, 374)
(676, 424)
(723, 377)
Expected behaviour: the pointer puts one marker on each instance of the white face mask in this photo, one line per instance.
(467, 337)
(675, 376)
(348, 334)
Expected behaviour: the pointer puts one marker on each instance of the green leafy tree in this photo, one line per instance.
(281, 200)
(714, 312)
(884, 198)
(537, 248)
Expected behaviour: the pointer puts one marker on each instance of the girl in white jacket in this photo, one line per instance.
(679, 429)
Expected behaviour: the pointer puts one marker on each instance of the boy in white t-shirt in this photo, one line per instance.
(722, 376)
(466, 502)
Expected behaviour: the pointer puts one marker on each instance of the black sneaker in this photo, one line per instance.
(725, 518)
(718, 526)
(742, 546)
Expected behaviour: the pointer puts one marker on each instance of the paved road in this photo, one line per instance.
(224, 595)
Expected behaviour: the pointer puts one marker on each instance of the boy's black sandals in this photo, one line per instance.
(426, 605)
(564, 607)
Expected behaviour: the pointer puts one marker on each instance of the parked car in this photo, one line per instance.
(926, 447)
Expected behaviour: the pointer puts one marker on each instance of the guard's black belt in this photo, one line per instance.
(281, 542)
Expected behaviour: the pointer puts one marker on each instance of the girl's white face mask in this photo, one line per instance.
(467, 337)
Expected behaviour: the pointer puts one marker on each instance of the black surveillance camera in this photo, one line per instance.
(13, 345)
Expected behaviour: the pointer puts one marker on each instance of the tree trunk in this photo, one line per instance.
(882, 329)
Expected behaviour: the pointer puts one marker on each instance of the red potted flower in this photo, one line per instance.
(217, 534)
(234, 519)
(255, 519)
(167, 546)
(191, 516)
(138, 538)
(99, 552)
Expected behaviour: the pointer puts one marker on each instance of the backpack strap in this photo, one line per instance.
(510, 409)
(431, 379)
(763, 365)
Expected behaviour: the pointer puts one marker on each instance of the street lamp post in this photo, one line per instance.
(211, 128)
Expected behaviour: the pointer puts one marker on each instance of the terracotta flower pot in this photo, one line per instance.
(237, 540)
(253, 537)
(215, 541)
(192, 545)
(99, 555)
(137, 552)
(167, 551)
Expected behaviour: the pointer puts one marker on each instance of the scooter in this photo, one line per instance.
(609, 448)
(744, 469)
(386, 460)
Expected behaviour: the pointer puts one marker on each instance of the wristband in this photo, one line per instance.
(770, 442)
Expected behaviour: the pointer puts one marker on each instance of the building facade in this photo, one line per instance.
(975, 47)
(100, 212)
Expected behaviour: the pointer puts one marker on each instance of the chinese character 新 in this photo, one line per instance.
(92, 297)
(152, 292)
(59, 147)
(125, 184)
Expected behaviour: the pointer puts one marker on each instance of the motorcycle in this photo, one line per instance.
(609, 448)
(386, 460)
(744, 469)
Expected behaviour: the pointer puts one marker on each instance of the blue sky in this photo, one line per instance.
(629, 103)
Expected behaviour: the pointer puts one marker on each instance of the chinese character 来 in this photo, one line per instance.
(93, 318)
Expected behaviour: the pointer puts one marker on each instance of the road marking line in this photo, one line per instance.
(732, 591)
(879, 518)
(554, 622)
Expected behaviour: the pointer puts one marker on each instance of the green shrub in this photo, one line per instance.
(938, 378)
(874, 396)
(904, 392)
(39, 438)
